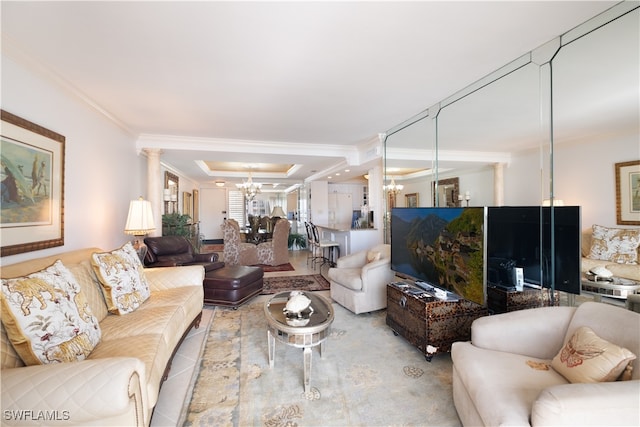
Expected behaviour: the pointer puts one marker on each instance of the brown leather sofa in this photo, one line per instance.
(229, 285)
(171, 251)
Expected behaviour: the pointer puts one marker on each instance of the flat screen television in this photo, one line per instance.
(441, 246)
(521, 237)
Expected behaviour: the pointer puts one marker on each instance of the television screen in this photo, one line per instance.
(441, 246)
(521, 237)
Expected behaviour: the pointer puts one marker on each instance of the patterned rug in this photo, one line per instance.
(281, 267)
(311, 282)
(366, 376)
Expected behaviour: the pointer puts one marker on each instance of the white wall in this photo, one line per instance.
(479, 184)
(319, 202)
(584, 175)
(102, 170)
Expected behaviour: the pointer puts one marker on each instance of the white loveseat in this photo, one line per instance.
(504, 377)
(119, 382)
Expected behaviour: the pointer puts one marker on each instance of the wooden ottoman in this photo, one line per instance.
(232, 285)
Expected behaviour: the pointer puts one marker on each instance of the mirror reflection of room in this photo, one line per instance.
(170, 193)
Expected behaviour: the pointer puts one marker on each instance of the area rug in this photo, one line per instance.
(311, 282)
(272, 268)
(366, 376)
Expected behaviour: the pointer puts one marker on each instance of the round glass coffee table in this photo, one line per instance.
(306, 330)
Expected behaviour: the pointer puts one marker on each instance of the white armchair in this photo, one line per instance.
(359, 280)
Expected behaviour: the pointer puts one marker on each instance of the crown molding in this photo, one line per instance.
(172, 142)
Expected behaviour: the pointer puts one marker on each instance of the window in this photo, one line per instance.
(237, 207)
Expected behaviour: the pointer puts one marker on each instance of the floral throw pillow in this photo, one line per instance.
(587, 358)
(121, 275)
(615, 244)
(47, 317)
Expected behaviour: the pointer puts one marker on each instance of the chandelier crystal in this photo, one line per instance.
(249, 188)
(393, 188)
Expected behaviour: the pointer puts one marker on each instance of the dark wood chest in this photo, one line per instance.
(428, 323)
(503, 301)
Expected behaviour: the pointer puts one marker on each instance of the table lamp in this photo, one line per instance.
(139, 223)
(277, 211)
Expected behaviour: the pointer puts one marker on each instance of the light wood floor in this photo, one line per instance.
(175, 389)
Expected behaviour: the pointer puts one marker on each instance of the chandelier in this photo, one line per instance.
(249, 188)
(393, 188)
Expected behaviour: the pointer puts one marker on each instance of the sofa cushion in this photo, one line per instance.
(494, 382)
(122, 278)
(47, 317)
(587, 358)
(615, 244)
(348, 277)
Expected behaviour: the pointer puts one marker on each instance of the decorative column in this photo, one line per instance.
(498, 184)
(154, 187)
(376, 199)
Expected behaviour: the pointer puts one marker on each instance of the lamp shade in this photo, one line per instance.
(277, 211)
(140, 218)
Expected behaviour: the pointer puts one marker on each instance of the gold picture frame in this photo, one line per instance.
(411, 200)
(628, 192)
(187, 205)
(32, 202)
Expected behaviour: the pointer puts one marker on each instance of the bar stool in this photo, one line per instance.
(311, 242)
(324, 244)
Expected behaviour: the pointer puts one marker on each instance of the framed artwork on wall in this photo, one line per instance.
(32, 170)
(187, 204)
(196, 206)
(411, 200)
(628, 192)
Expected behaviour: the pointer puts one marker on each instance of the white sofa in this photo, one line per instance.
(499, 377)
(119, 382)
(360, 285)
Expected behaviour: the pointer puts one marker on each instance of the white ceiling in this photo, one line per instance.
(310, 84)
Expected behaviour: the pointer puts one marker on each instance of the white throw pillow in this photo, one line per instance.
(618, 245)
(121, 275)
(47, 317)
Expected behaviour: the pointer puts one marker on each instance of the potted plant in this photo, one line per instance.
(176, 224)
(297, 240)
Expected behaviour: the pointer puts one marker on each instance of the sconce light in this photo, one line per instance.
(466, 197)
(219, 183)
(139, 223)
